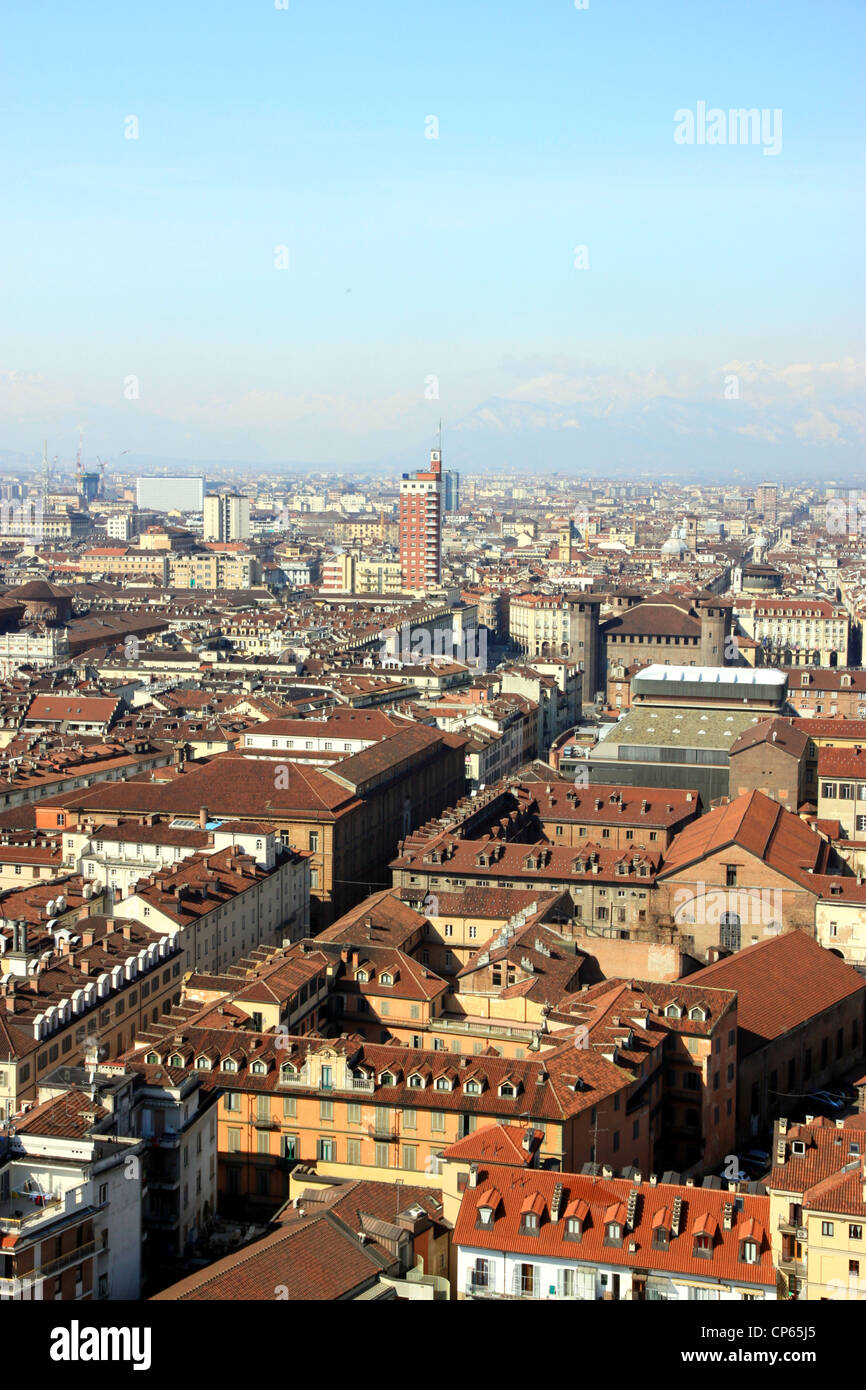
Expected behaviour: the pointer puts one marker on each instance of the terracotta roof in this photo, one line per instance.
(597, 1201)
(319, 1259)
(67, 1116)
(758, 824)
(782, 982)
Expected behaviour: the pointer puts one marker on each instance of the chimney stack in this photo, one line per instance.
(202, 817)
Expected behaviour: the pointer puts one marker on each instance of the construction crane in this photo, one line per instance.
(103, 463)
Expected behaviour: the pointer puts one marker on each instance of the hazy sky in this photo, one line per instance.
(412, 258)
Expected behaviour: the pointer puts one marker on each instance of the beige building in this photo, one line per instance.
(214, 570)
(221, 906)
(378, 576)
(818, 1208)
(796, 631)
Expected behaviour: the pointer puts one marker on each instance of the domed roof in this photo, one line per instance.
(675, 545)
(40, 591)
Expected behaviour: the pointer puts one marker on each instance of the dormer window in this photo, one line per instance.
(703, 1246)
(613, 1233)
(288, 1072)
(529, 1224)
(798, 1147)
(508, 1088)
(175, 1060)
(442, 1083)
(416, 1082)
(229, 1064)
(387, 1078)
(473, 1088)
(152, 1059)
(661, 1237)
(485, 1216)
(258, 1068)
(361, 976)
(673, 1011)
(749, 1252)
(573, 1228)
(202, 1063)
(386, 979)
(699, 1013)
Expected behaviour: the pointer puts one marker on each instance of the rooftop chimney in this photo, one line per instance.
(202, 817)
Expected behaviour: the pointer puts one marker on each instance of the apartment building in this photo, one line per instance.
(215, 570)
(226, 517)
(817, 1190)
(828, 692)
(576, 1236)
(608, 887)
(70, 1217)
(218, 907)
(557, 688)
(169, 1126)
(63, 996)
(842, 789)
(354, 1108)
(618, 817)
(796, 632)
(420, 519)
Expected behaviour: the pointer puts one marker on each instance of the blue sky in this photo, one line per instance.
(412, 258)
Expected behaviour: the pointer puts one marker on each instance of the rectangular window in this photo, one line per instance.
(233, 1138)
(353, 1151)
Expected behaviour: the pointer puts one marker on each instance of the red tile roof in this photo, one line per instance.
(781, 983)
(598, 1201)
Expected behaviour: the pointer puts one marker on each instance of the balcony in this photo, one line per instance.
(64, 1261)
(384, 1132)
(23, 1211)
(791, 1228)
(795, 1268)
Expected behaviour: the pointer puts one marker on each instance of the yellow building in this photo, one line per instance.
(818, 1208)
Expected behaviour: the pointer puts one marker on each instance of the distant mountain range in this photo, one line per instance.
(590, 427)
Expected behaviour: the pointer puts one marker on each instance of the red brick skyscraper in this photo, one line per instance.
(421, 526)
